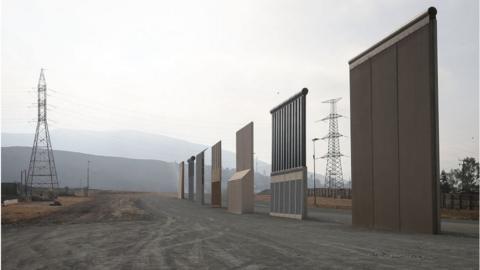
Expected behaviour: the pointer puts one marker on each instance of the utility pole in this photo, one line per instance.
(21, 182)
(314, 172)
(25, 186)
(88, 176)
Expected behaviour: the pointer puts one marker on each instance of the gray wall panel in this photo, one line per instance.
(200, 178)
(191, 173)
(181, 180)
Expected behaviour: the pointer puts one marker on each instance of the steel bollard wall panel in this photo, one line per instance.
(288, 178)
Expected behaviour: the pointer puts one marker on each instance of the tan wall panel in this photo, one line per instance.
(244, 148)
(385, 140)
(240, 192)
(234, 191)
(240, 185)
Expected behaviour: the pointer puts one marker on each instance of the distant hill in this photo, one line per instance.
(113, 173)
(126, 143)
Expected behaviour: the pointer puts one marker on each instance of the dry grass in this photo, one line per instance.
(460, 214)
(324, 202)
(262, 198)
(29, 210)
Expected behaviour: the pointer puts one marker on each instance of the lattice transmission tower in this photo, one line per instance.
(333, 174)
(42, 173)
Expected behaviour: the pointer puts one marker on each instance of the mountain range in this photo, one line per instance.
(111, 173)
(127, 144)
(120, 160)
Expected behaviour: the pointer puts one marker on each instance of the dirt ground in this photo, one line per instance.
(23, 211)
(154, 231)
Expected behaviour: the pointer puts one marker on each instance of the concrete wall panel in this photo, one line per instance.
(240, 185)
(385, 139)
(244, 148)
(361, 146)
(394, 127)
(416, 132)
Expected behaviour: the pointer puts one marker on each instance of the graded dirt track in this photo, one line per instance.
(154, 231)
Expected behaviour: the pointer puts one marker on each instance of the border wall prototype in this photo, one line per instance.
(181, 176)
(289, 172)
(200, 178)
(394, 130)
(217, 175)
(191, 173)
(240, 185)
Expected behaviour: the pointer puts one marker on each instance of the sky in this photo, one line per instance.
(201, 70)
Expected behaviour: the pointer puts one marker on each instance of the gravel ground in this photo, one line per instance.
(154, 231)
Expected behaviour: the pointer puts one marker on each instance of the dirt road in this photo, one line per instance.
(150, 231)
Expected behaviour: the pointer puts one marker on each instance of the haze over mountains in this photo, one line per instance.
(127, 144)
(120, 160)
(111, 173)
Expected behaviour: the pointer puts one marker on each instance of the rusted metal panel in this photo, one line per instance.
(289, 181)
(191, 173)
(200, 178)
(394, 127)
(217, 174)
(181, 176)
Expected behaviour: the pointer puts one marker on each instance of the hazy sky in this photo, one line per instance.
(200, 70)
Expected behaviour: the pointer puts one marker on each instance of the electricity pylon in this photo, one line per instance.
(333, 174)
(42, 173)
